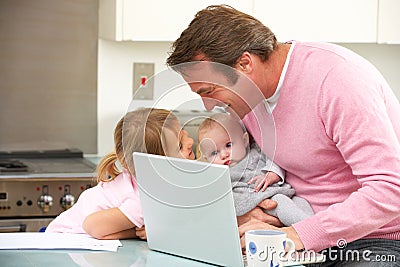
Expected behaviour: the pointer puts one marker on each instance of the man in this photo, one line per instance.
(332, 119)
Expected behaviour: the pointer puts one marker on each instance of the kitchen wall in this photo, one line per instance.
(386, 59)
(115, 84)
(115, 70)
(48, 74)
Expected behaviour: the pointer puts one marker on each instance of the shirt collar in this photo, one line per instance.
(271, 102)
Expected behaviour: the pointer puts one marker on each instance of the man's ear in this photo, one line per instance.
(245, 63)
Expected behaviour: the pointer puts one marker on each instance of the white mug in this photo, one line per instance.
(267, 247)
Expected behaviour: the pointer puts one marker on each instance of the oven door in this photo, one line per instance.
(23, 225)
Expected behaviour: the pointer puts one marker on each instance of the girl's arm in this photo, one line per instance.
(141, 232)
(125, 234)
(109, 224)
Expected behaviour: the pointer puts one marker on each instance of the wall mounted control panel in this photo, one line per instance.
(143, 82)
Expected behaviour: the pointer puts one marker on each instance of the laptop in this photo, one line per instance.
(188, 209)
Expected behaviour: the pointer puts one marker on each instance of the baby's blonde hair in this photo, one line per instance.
(138, 131)
(222, 119)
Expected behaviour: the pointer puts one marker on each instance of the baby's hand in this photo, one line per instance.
(262, 181)
(141, 232)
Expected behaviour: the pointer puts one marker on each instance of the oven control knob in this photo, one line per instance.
(45, 202)
(67, 201)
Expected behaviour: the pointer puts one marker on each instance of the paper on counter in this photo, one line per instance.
(55, 241)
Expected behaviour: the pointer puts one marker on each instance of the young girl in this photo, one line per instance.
(111, 209)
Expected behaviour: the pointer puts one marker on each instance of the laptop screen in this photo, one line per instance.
(188, 209)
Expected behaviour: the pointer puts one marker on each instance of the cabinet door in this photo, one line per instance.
(320, 20)
(389, 22)
(159, 20)
(110, 19)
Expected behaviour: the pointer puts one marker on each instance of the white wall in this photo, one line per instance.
(115, 75)
(115, 85)
(386, 58)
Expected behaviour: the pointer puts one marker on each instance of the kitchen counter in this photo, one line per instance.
(133, 253)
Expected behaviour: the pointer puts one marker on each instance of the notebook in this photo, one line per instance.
(188, 209)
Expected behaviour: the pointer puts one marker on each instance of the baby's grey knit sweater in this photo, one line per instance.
(252, 165)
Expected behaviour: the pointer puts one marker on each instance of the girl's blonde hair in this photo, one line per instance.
(138, 131)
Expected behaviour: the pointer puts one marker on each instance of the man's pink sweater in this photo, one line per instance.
(336, 128)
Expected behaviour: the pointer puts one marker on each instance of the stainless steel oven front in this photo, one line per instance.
(29, 204)
(33, 191)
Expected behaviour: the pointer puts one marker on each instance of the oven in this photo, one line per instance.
(36, 186)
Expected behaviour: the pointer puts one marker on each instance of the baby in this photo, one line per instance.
(223, 140)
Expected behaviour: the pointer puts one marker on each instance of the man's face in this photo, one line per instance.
(214, 95)
(210, 80)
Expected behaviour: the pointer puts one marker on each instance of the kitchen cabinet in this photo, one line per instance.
(389, 22)
(339, 21)
(153, 20)
(347, 21)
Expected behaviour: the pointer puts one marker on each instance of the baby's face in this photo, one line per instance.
(219, 147)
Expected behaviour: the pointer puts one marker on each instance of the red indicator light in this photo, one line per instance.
(143, 80)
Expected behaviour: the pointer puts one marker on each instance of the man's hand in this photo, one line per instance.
(259, 215)
(254, 224)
